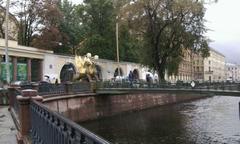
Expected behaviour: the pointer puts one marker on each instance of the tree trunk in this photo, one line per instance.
(161, 75)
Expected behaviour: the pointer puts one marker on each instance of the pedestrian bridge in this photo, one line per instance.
(223, 89)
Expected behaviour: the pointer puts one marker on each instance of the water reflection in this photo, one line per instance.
(207, 121)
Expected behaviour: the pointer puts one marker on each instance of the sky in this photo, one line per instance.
(223, 22)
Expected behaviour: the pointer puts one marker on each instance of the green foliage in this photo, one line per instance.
(99, 27)
(99, 20)
(128, 45)
(168, 30)
(71, 27)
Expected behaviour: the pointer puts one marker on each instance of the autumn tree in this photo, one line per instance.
(38, 21)
(48, 36)
(168, 29)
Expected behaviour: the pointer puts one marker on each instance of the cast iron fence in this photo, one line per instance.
(135, 85)
(63, 89)
(81, 87)
(51, 89)
(14, 102)
(51, 128)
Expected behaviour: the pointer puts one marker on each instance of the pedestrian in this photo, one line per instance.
(148, 79)
(56, 82)
(130, 78)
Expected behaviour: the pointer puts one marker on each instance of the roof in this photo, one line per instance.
(211, 49)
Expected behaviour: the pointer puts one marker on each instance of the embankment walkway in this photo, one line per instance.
(7, 128)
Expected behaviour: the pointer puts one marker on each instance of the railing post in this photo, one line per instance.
(93, 86)
(68, 88)
(35, 87)
(24, 113)
(11, 94)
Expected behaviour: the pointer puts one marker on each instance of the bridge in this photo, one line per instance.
(223, 89)
(45, 113)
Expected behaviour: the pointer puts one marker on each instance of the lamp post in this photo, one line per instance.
(117, 46)
(115, 4)
(6, 43)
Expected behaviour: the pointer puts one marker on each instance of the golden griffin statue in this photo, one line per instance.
(85, 68)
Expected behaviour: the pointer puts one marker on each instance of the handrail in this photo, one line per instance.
(149, 85)
(63, 89)
(52, 128)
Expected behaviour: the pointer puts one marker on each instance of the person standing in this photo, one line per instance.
(130, 78)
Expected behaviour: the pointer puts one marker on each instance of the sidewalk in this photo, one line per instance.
(7, 127)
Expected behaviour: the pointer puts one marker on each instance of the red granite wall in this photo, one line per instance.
(85, 108)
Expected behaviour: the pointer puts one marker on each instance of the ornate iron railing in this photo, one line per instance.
(81, 87)
(15, 103)
(51, 89)
(214, 86)
(63, 89)
(52, 128)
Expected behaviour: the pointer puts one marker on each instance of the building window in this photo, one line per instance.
(209, 69)
(209, 62)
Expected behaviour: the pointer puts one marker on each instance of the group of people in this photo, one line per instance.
(131, 77)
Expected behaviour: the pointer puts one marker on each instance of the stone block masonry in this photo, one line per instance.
(84, 108)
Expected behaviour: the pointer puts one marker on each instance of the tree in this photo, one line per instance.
(29, 20)
(48, 36)
(38, 26)
(99, 19)
(128, 44)
(168, 29)
(71, 26)
(99, 27)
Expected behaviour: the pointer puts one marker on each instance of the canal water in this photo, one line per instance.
(207, 121)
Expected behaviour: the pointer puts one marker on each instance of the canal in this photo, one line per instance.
(212, 120)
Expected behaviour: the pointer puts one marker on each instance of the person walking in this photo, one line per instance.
(130, 78)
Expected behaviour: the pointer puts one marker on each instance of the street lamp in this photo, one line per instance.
(117, 38)
(6, 43)
(117, 46)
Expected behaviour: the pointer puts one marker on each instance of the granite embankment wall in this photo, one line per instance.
(81, 108)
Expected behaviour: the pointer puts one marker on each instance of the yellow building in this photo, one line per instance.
(185, 71)
(198, 67)
(214, 67)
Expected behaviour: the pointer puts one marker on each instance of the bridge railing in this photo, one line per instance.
(64, 88)
(13, 92)
(135, 85)
(51, 89)
(52, 128)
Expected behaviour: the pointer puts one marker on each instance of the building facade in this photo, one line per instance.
(214, 67)
(32, 64)
(198, 67)
(232, 72)
(185, 69)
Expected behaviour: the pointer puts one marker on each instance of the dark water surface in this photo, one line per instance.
(207, 121)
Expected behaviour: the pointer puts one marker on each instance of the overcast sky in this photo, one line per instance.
(223, 20)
